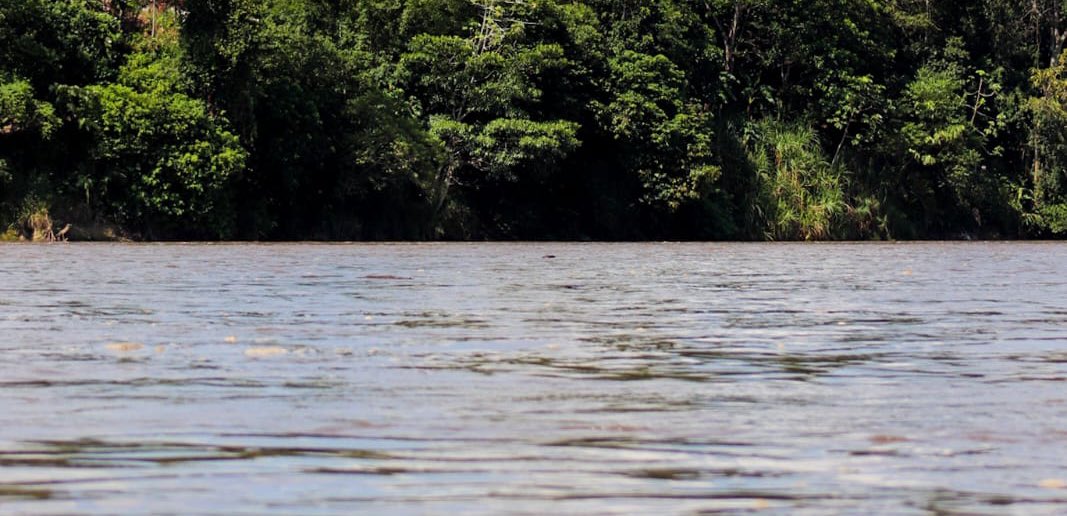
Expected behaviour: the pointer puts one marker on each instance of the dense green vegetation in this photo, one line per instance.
(602, 119)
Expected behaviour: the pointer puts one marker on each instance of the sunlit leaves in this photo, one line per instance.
(160, 158)
(21, 111)
(801, 197)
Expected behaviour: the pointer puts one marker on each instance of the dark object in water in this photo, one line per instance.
(385, 277)
(548, 256)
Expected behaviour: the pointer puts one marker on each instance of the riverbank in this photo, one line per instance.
(563, 120)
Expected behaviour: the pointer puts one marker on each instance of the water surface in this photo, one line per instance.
(489, 378)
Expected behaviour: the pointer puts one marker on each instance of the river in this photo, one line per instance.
(533, 378)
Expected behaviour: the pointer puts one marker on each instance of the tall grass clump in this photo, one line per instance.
(34, 222)
(800, 196)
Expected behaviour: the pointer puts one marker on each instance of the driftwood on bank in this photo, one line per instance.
(61, 236)
(38, 227)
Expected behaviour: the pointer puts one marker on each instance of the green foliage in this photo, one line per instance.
(452, 75)
(480, 94)
(668, 141)
(801, 196)
(58, 41)
(950, 137)
(392, 151)
(159, 161)
(792, 119)
(20, 111)
(647, 93)
(1048, 109)
(937, 131)
(1053, 218)
(506, 146)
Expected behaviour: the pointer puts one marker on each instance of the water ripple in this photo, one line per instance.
(482, 378)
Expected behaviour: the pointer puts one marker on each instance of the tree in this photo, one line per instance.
(475, 91)
(1048, 109)
(157, 159)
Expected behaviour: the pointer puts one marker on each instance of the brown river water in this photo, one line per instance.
(492, 378)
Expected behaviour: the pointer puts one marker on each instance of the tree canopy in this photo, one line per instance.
(536, 119)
